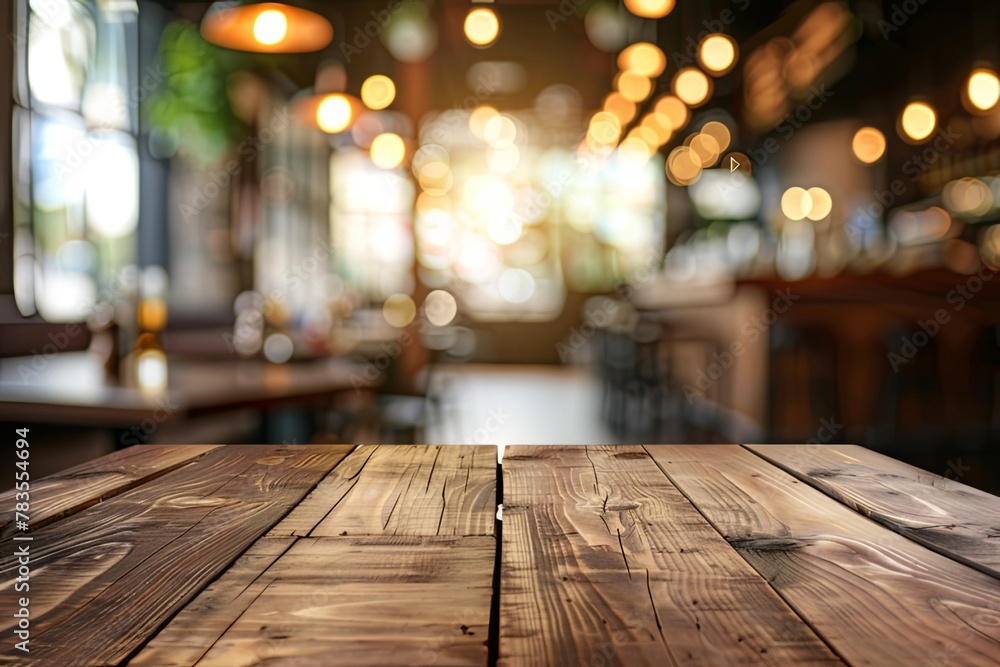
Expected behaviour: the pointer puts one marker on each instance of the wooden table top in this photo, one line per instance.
(71, 388)
(334, 555)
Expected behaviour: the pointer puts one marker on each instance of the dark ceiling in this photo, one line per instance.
(930, 51)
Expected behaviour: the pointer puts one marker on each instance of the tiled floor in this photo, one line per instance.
(510, 404)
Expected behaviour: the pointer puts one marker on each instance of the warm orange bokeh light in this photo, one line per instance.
(983, 90)
(482, 26)
(334, 114)
(378, 92)
(633, 86)
(717, 54)
(650, 9)
(673, 109)
(642, 57)
(617, 104)
(692, 87)
(917, 121)
(868, 145)
(388, 150)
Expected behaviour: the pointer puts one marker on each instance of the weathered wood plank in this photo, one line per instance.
(874, 596)
(402, 490)
(942, 514)
(193, 631)
(359, 601)
(81, 486)
(605, 562)
(106, 578)
(392, 492)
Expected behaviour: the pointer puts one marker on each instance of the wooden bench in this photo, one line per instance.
(333, 555)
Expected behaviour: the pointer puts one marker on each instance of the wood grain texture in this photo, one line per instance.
(105, 579)
(193, 631)
(942, 514)
(400, 559)
(81, 486)
(606, 563)
(342, 601)
(402, 490)
(874, 596)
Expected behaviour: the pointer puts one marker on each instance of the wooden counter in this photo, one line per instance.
(330, 555)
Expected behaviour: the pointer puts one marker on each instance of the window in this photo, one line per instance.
(76, 167)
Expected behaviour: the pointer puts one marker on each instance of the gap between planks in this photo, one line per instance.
(605, 560)
(365, 505)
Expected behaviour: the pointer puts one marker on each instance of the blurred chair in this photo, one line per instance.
(802, 383)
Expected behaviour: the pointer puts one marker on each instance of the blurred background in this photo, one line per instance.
(525, 221)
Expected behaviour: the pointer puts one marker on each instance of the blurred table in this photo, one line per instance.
(328, 555)
(865, 317)
(71, 388)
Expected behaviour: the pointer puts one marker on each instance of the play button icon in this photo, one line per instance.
(738, 162)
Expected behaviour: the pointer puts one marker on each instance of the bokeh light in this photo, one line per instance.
(435, 178)
(440, 308)
(605, 129)
(717, 54)
(692, 87)
(482, 26)
(151, 370)
(917, 121)
(378, 92)
(821, 204)
(388, 150)
(516, 285)
(278, 348)
(719, 132)
(868, 145)
(503, 160)
(674, 109)
(658, 124)
(621, 107)
(650, 9)
(706, 148)
(683, 166)
(606, 26)
(478, 119)
(642, 57)
(334, 114)
(399, 310)
(500, 131)
(983, 90)
(633, 86)
(796, 203)
(270, 27)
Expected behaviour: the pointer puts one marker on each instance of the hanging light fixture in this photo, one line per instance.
(326, 105)
(265, 27)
